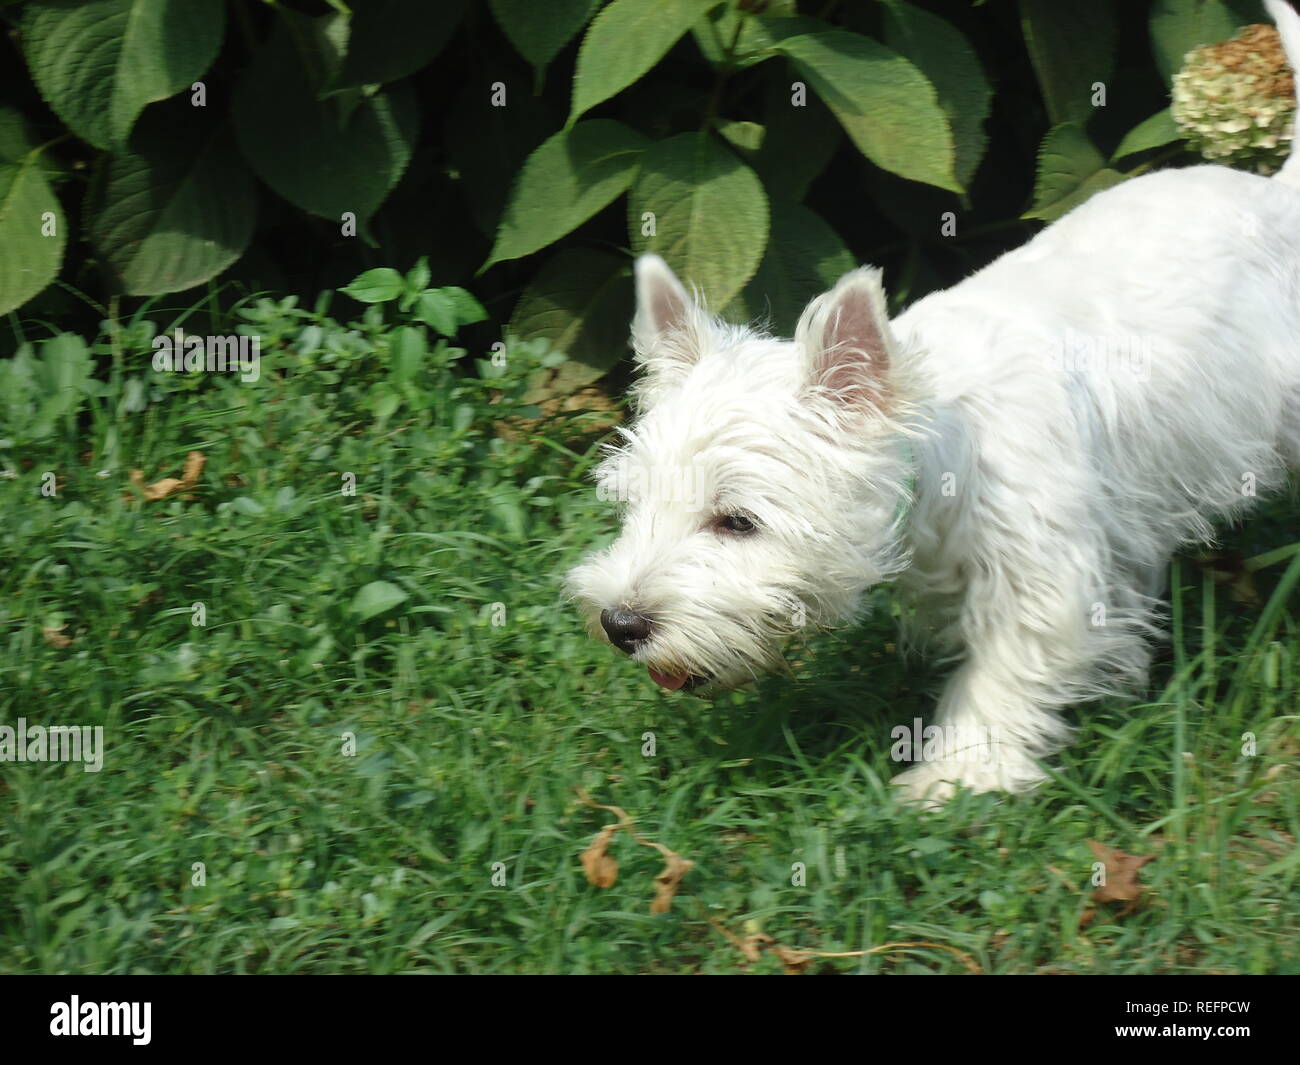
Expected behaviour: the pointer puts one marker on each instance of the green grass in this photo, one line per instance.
(478, 707)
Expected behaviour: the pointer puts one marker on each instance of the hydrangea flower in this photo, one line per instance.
(1235, 101)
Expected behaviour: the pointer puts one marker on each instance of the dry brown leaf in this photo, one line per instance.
(194, 463)
(795, 961)
(601, 869)
(667, 882)
(55, 637)
(1121, 880)
(751, 945)
(168, 486)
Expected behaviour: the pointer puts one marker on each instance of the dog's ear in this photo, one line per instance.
(665, 331)
(848, 346)
(662, 304)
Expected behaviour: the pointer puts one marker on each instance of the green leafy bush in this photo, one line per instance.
(761, 146)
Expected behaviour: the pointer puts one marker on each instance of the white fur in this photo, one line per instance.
(1072, 414)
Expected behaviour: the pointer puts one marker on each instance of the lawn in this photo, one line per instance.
(351, 731)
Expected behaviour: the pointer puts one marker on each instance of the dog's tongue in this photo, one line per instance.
(665, 680)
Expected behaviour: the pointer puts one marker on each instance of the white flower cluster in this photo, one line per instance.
(1235, 101)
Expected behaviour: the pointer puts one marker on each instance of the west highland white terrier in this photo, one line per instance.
(1022, 453)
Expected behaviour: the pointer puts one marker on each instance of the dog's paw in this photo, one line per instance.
(932, 784)
(926, 785)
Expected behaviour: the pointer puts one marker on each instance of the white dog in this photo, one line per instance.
(1023, 452)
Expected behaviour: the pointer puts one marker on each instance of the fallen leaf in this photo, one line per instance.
(1120, 883)
(795, 961)
(194, 463)
(752, 945)
(667, 882)
(601, 869)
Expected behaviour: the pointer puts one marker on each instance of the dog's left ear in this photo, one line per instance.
(848, 346)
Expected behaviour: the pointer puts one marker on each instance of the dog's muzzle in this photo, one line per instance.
(628, 631)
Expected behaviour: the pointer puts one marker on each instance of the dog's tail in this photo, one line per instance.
(1288, 27)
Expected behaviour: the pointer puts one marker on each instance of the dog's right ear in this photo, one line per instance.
(662, 304)
(848, 345)
(665, 330)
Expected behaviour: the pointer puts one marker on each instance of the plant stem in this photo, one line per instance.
(1163, 157)
(726, 69)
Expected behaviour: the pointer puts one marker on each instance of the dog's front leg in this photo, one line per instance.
(988, 732)
(1028, 652)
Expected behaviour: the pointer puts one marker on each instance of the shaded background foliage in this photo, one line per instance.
(518, 146)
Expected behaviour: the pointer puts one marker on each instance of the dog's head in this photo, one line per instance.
(760, 485)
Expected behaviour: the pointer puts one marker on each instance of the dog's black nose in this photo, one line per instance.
(625, 628)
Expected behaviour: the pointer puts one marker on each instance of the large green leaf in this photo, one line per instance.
(28, 260)
(1072, 47)
(1158, 130)
(625, 40)
(389, 39)
(379, 285)
(887, 106)
(174, 211)
(1178, 26)
(710, 213)
(582, 302)
(375, 598)
(1070, 170)
(539, 31)
(447, 309)
(804, 258)
(943, 54)
(99, 63)
(568, 179)
(326, 156)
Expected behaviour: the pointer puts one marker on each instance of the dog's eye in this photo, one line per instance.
(737, 524)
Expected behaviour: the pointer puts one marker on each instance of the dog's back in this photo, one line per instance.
(1166, 308)
(1111, 390)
